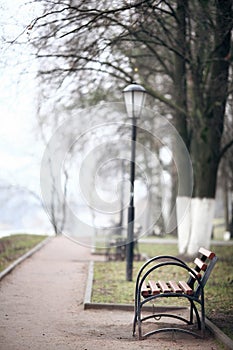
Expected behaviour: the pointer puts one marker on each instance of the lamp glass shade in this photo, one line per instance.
(134, 96)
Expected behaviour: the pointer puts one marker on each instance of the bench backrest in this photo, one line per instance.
(204, 264)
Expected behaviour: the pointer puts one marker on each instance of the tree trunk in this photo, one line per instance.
(180, 80)
(180, 121)
(202, 214)
(208, 107)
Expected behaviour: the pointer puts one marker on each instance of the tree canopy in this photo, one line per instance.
(180, 50)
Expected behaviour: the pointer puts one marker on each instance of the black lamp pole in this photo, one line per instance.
(131, 209)
(134, 99)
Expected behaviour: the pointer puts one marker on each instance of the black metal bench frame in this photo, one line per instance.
(196, 281)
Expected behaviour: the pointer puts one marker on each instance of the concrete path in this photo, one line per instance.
(41, 308)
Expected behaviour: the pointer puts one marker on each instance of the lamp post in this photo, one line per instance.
(134, 96)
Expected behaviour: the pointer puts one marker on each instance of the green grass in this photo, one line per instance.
(14, 246)
(110, 285)
(218, 228)
(219, 290)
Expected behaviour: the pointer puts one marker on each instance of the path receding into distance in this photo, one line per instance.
(41, 308)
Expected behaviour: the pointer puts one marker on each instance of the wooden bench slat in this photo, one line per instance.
(144, 290)
(210, 255)
(195, 274)
(164, 287)
(202, 266)
(154, 288)
(174, 286)
(185, 287)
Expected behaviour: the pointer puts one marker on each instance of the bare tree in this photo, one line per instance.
(183, 45)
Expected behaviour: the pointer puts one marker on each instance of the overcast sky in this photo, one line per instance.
(17, 94)
(20, 148)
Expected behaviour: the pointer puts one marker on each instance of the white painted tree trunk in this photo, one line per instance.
(195, 222)
(183, 207)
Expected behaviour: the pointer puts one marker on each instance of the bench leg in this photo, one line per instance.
(203, 318)
(134, 323)
(137, 321)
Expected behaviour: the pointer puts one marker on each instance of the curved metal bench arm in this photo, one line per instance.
(173, 261)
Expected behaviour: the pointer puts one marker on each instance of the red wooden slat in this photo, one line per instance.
(164, 287)
(175, 288)
(210, 255)
(144, 290)
(195, 273)
(185, 287)
(202, 266)
(154, 288)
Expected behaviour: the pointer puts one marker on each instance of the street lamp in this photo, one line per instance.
(134, 96)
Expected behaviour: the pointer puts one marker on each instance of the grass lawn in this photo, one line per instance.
(110, 285)
(14, 246)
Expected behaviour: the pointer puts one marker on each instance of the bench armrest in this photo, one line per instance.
(156, 259)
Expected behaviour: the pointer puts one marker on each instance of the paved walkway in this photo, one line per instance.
(41, 308)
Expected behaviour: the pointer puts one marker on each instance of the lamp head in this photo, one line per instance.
(134, 96)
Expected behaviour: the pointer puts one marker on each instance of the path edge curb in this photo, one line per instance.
(18, 261)
(218, 334)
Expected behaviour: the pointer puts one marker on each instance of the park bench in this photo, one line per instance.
(115, 249)
(150, 288)
(116, 246)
